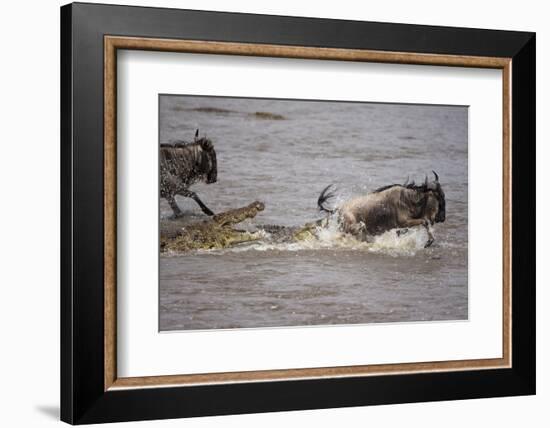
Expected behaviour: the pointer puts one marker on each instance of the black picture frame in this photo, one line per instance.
(83, 398)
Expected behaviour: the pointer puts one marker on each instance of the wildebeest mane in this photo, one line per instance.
(176, 144)
(179, 144)
(412, 185)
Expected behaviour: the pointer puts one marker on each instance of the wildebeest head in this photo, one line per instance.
(208, 164)
(435, 202)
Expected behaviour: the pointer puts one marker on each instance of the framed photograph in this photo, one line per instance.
(266, 213)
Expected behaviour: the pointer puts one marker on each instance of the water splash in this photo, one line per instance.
(405, 244)
(330, 237)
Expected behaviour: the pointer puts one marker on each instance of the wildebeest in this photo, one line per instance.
(184, 163)
(390, 207)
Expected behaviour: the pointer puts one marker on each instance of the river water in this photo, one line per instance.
(284, 159)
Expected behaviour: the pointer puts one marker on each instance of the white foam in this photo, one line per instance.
(330, 237)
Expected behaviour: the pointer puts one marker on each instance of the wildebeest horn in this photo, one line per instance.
(426, 181)
(436, 176)
(406, 182)
(196, 134)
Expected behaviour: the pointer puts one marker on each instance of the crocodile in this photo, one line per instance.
(214, 233)
(217, 232)
(286, 234)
